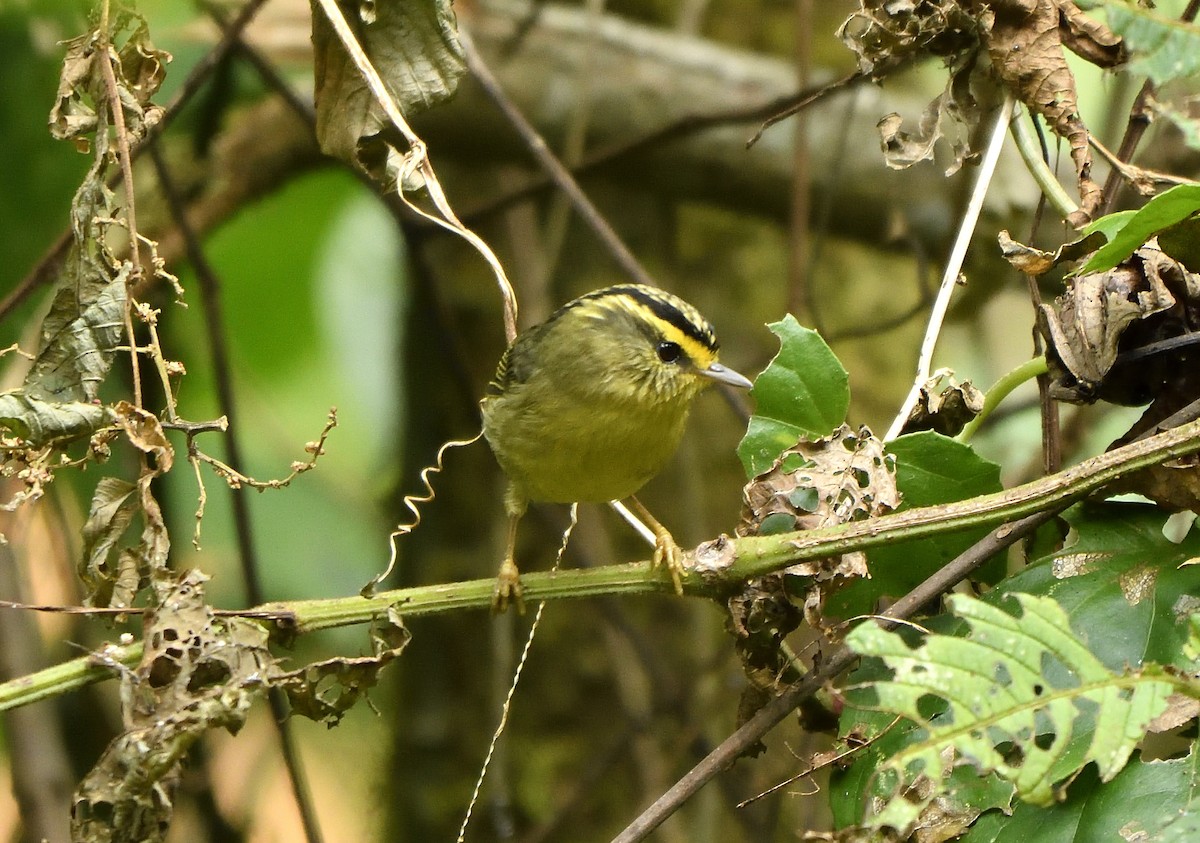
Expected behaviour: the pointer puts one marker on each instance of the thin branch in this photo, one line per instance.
(715, 566)
(837, 663)
(682, 128)
(45, 270)
(803, 101)
(1137, 176)
(115, 108)
(958, 254)
(559, 174)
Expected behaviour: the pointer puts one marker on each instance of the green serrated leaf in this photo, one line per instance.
(931, 469)
(1161, 47)
(1161, 212)
(1148, 800)
(1012, 690)
(804, 392)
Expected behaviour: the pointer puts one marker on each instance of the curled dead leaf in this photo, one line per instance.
(944, 405)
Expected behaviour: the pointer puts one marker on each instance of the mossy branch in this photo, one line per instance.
(724, 563)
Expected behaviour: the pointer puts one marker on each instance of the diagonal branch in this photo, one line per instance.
(746, 558)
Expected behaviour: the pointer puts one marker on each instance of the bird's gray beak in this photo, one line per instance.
(723, 374)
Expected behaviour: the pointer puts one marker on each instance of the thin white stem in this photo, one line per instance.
(958, 254)
(633, 521)
(512, 688)
(418, 161)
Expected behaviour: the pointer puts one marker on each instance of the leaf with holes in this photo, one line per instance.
(1005, 698)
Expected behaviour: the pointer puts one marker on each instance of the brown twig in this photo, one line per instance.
(679, 129)
(803, 101)
(44, 271)
(1047, 406)
(729, 750)
(559, 174)
(116, 110)
(210, 298)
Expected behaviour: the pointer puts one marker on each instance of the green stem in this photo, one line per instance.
(1028, 370)
(1031, 154)
(719, 566)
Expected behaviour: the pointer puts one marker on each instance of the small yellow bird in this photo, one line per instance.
(590, 404)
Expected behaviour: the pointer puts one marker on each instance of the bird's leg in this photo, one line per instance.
(508, 580)
(666, 551)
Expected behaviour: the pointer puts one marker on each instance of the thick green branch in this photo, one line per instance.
(723, 563)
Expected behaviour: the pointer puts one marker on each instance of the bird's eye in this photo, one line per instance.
(669, 352)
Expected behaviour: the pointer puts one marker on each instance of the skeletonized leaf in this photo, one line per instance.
(198, 672)
(324, 691)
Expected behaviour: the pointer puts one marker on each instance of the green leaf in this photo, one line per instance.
(804, 392)
(1125, 587)
(1182, 242)
(1163, 211)
(930, 469)
(1146, 801)
(1109, 225)
(1010, 694)
(1161, 47)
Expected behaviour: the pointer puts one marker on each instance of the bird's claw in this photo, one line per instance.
(667, 553)
(508, 587)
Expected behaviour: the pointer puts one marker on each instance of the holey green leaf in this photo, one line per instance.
(1004, 699)
(803, 393)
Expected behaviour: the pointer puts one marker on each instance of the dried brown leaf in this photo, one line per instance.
(837, 479)
(1024, 39)
(198, 672)
(1148, 298)
(1037, 262)
(944, 405)
(114, 504)
(413, 44)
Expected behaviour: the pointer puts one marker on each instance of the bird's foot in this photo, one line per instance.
(508, 587)
(667, 553)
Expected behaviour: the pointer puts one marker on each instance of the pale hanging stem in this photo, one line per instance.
(417, 161)
(633, 521)
(958, 254)
(512, 688)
